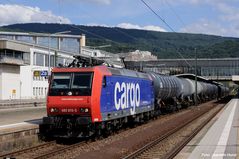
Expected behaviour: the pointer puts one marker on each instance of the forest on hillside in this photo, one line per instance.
(162, 44)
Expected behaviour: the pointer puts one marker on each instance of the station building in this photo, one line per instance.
(26, 60)
(214, 69)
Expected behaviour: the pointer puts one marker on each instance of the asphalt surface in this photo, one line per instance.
(18, 115)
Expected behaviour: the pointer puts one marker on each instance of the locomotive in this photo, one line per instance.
(95, 100)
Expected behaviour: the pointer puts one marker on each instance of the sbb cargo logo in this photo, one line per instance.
(127, 95)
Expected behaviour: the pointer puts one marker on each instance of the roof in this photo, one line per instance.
(25, 46)
(192, 76)
(199, 78)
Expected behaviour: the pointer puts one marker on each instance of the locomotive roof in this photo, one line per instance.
(113, 71)
(126, 72)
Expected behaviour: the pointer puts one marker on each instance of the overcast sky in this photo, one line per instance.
(217, 17)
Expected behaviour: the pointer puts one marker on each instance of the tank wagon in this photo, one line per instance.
(175, 92)
(85, 101)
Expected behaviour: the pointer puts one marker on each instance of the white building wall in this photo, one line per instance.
(10, 79)
(26, 83)
(35, 86)
(18, 82)
(1, 91)
(39, 84)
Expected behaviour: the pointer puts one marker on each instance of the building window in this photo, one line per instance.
(46, 60)
(39, 91)
(38, 59)
(19, 55)
(26, 58)
(34, 91)
(60, 60)
(45, 91)
(52, 60)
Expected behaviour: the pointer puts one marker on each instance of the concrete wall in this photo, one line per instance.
(10, 81)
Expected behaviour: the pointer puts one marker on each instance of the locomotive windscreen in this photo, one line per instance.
(75, 84)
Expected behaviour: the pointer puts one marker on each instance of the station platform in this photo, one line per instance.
(219, 139)
(16, 119)
(19, 127)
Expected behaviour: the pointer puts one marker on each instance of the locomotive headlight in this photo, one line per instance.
(84, 110)
(54, 110)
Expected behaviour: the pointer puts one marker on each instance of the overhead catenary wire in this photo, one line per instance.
(102, 37)
(180, 20)
(157, 15)
(79, 28)
(118, 29)
(175, 13)
(71, 25)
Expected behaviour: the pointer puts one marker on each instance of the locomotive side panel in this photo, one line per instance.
(124, 96)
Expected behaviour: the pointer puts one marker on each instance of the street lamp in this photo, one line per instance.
(196, 88)
(49, 53)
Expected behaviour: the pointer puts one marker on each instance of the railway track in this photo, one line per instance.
(180, 146)
(45, 150)
(151, 149)
(51, 149)
(56, 150)
(27, 151)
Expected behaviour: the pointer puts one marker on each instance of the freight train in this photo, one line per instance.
(95, 100)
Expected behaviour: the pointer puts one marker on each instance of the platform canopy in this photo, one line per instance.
(199, 78)
(235, 79)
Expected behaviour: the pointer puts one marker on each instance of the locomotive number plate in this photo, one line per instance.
(69, 110)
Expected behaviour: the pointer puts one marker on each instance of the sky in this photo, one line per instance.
(214, 17)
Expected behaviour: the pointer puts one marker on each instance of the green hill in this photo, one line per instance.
(162, 44)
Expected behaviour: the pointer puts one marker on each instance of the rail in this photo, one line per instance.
(172, 154)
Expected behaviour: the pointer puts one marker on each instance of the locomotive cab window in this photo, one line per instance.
(61, 81)
(82, 80)
(75, 84)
